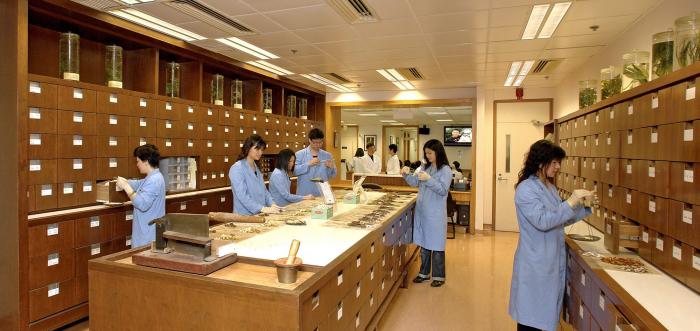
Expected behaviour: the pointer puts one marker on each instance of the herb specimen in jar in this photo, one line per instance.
(689, 51)
(635, 75)
(610, 87)
(662, 58)
(586, 97)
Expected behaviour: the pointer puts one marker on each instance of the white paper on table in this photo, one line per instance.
(34, 114)
(34, 87)
(34, 165)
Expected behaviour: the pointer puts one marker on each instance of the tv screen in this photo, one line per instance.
(458, 135)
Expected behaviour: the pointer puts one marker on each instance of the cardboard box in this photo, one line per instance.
(107, 192)
(322, 212)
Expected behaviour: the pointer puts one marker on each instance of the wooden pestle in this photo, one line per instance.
(293, 249)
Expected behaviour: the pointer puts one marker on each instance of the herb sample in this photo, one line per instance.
(662, 54)
(172, 79)
(113, 66)
(69, 56)
(635, 69)
(267, 101)
(610, 82)
(587, 93)
(237, 94)
(291, 106)
(217, 90)
(303, 104)
(687, 40)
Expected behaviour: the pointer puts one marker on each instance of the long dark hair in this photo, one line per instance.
(283, 158)
(440, 155)
(359, 152)
(540, 155)
(254, 141)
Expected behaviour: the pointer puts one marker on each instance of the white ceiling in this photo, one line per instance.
(453, 43)
(420, 115)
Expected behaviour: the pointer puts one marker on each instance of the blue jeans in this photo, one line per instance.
(437, 259)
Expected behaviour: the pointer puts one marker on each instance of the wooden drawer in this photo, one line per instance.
(630, 204)
(93, 230)
(82, 292)
(686, 106)
(595, 122)
(54, 267)
(613, 118)
(683, 185)
(47, 238)
(647, 239)
(245, 117)
(136, 141)
(68, 194)
(113, 146)
(193, 130)
(42, 120)
(227, 132)
(42, 146)
(111, 167)
(170, 146)
(683, 222)
(45, 196)
(211, 114)
(598, 305)
(629, 147)
(629, 173)
(142, 106)
(619, 321)
(86, 192)
(652, 142)
(675, 266)
(170, 110)
(681, 144)
(192, 147)
(628, 116)
(87, 253)
(167, 128)
(122, 223)
(691, 261)
(42, 95)
(75, 170)
(228, 147)
(596, 141)
(210, 148)
(72, 146)
(612, 197)
(620, 233)
(113, 125)
(654, 177)
(76, 99)
(611, 144)
(121, 244)
(590, 168)
(655, 108)
(142, 126)
(653, 212)
(51, 299)
(661, 249)
(226, 117)
(114, 103)
(41, 171)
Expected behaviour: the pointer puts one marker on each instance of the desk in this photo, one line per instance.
(463, 201)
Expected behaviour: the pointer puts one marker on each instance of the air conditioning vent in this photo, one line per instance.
(210, 16)
(338, 78)
(353, 11)
(411, 73)
(545, 67)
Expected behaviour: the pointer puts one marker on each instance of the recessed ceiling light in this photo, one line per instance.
(134, 2)
(397, 123)
(396, 78)
(270, 67)
(555, 17)
(247, 47)
(436, 113)
(519, 80)
(533, 23)
(367, 114)
(153, 23)
(327, 82)
(443, 120)
(525, 69)
(388, 121)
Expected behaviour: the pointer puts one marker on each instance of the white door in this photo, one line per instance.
(515, 132)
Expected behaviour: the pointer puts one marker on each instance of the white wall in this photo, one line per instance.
(637, 37)
(434, 94)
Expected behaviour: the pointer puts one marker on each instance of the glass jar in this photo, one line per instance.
(113, 66)
(172, 79)
(237, 94)
(686, 40)
(217, 90)
(661, 54)
(587, 94)
(291, 106)
(69, 56)
(610, 82)
(303, 104)
(635, 69)
(267, 101)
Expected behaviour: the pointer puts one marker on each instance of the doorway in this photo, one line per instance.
(406, 140)
(348, 146)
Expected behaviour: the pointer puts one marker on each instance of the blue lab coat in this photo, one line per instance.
(149, 204)
(304, 173)
(280, 185)
(539, 268)
(430, 219)
(249, 192)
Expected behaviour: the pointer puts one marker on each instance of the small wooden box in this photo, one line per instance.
(107, 192)
(620, 233)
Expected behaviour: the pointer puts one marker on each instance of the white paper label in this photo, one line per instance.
(223, 198)
(652, 206)
(688, 216)
(77, 140)
(340, 278)
(190, 143)
(183, 205)
(629, 138)
(628, 169)
(52, 260)
(168, 124)
(128, 241)
(77, 93)
(168, 106)
(580, 311)
(129, 216)
(34, 87)
(610, 192)
(95, 249)
(226, 114)
(629, 198)
(609, 140)
(645, 236)
(209, 144)
(225, 144)
(630, 110)
(241, 116)
(601, 302)
(607, 166)
(690, 93)
(654, 137)
(113, 120)
(225, 159)
(608, 228)
(112, 162)
(240, 130)
(190, 109)
(142, 141)
(226, 129)
(53, 290)
(210, 112)
(34, 114)
(371, 301)
(168, 143)
(94, 223)
(190, 126)
(67, 188)
(204, 202)
(87, 186)
(583, 279)
(209, 160)
(46, 190)
(357, 291)
(612, 114)
(34, 165)
(113, 141)
(221, 174)
(688, 176)
(142, 103)
(652, 172)
(677, 253)
(358, 262)
(660, 244)
(51, 230)
(688, 135)
(113, 98)
(654, 102)
(340, 312)
(77, 164)
(77, 117)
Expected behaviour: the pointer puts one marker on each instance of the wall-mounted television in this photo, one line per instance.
(458, 135)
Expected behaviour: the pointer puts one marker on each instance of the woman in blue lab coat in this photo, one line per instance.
(539, 267)
(147, 195)
(430, 219)
(279, 180)
(250, 196)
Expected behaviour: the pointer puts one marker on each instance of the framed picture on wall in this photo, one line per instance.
(370, 139)
(391, 139)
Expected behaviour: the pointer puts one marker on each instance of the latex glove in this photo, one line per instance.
(591, 201)
(578, 196)
(314, 162)
(309, 197)
(123, 184)
(424, 176)
(329, 163)
(405, 170)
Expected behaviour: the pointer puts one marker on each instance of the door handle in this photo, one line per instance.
(501, 178)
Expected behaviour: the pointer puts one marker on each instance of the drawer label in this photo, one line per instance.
(205, 176)
(612, 114)
(204, 202)
(51, 230)
(77, 140)
(601, 302)
(652, 172)
(654, 137)
(113, 120)
(52, 260)
(190, 126)
(371, 274)
(226, 129)
(67, 188)
(87, 186)
(183, 205)
(652, 206)
(240, 130)
(628, 168)
(226, 158)
(221, 174)
(190, 143)
(142, 141)
(168, 124)
(113, 98)
(607, 166)
(688, 176)
(357, 291)
(357, 320)
(340, 311)
(112, 162)
(340, 278)
(226, 114)
(610, 192)
(77, 164)
(143, 122)
(583, 279)
(128, 241)
(209, 144)
(225, 144)
(358, 262)
(190, 109)
(113, 141)
(696, 262)
(143, 103)
(654, 102)
(660, 244)
(609, 140)
(223, 198)
(168, 143)
(629, 198)
(371, 248)
(34, 114)
(645, 236)
(630, 110)
(46, 190)
(568, 290)
(34, 165)
(95, 249)
(382, 285)
(34, 87)
(690, 93)
(677, 254)
(241, 116)
(608, 228)
(593, 164)
(580, 311)
(210, 112)
(688, 135)
(688, 216)
(371, 300)
(129, 216)
(54, 290)
(168, 106)
(35, 139)
(94, 222)
(209, 160)
(77, 93)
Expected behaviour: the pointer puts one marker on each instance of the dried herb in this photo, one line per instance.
(635, 74)
(610, 87)
(662, 58)
(586, 97)
(689, 51)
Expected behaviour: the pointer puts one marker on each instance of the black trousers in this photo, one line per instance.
(522, 327)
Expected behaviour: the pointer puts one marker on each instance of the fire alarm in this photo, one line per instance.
(519, 93)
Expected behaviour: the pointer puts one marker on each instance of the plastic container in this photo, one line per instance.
(172, 79)
(291, 106)
(661, 54)
(113, 66)
(686, 40)
(217, 90)
(635, 69)
(237, 94)
(587, 93)
(610, 82)
(303, 108)
(69, 56)
(267, 101)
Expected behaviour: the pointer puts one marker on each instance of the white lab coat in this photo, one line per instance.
(393, 165)
(372, 166)
(357, 165)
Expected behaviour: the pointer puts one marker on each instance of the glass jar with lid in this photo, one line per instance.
(635, 69)
(237, 94)
(686, 40)
(610, 82)
(113, 66)
(69, 56)
(661, 54)
(172, 79)
(303, 104)
(217, 90)
(267, 101)
(587, 93)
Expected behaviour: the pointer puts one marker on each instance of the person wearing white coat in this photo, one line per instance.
(539, 267)
(393, 165)
(357, 163)
(430, 218)
(372, 162)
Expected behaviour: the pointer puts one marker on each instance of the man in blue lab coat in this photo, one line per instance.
(313, 162)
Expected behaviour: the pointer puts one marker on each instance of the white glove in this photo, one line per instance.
(405, 170)
(578, 196)
(123, 184)
(424, 176)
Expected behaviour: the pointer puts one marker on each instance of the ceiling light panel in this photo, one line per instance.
(396, 78)
(247, 47)
(443, 120)
(533, 24)
(134, 2)
(156, 24)
(270, 67)
(324, 81)
(555, 17)
(527, 65)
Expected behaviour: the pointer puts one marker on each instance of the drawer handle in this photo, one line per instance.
(67, 188)
(54, 290)
(46, 190)
(129, 216)
(113, 98)
(113, 141)
(143, 103)
(113, 120)
(35, 139)
(34, 165)
(113, 162)
(168, 105)
(94, 222)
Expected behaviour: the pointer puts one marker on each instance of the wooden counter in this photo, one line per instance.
(348, 293)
